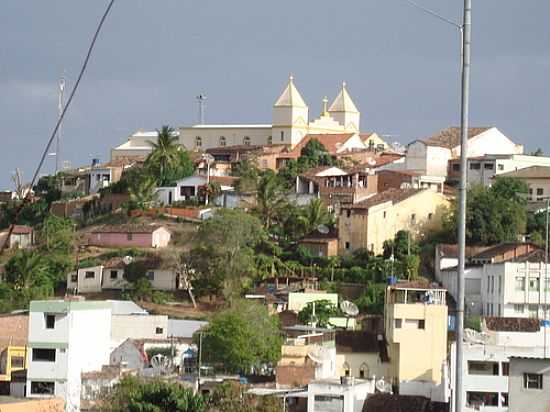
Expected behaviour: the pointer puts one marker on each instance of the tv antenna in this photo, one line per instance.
(383, 386)
(323, 229)
(60, 106)
(350, 309)
(160, 364)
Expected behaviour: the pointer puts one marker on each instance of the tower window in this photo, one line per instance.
(246, 141)
(269, 140)
(222, 141)
(198, 141)
(282, 136)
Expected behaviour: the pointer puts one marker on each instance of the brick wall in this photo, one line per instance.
(294, 376)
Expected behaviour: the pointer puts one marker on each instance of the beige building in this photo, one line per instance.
(537, 179)
(361, 354)
(367, 224)
(416, 329)
(290, 124)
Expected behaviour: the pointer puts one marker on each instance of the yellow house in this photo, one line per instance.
(361, 354)
(12, 358)
(367, 224)
(416, 329)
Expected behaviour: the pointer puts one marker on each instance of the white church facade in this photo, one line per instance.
(290, 124)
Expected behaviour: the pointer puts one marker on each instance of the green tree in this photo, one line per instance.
(316, 153)
(231, 397)
(141, 194)
(27, 273)
(242, 338)
(401, 246)
(48, 188)
(324, 309)
(314, 215)
(372, 301)
(224, 252)
(134, 394)
(270, 199)
(248, 175)
(164, 154)
(57, 235)
(538, 152)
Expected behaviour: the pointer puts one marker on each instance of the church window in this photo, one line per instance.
(222, 141)
(346, 369)
(269, 140)
(246, 141)
(363, 371)
(198, 141)
(282, 136)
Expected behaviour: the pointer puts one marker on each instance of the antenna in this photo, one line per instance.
(383, 386)
(350, 309)
(201, 99)
(127, 260)
(371, 162)
(160, 364)
(323, 229)
(318, 354)
(60, 105)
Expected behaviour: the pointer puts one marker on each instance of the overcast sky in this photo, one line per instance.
(154, 57)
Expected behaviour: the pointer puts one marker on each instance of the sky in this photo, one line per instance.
(401, 66)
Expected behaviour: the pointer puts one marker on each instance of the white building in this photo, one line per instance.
(66, 338)
(290, 123)
(345, 395)
(482, 170)
(431, 156)
(486, 363)
(189, 188)
(528, 383)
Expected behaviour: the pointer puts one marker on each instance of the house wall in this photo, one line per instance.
(164, 280)
(210, 136)
(127, 353)
(161, 237)
(89, 285)
(318, 248)
(353, 396)
(117, 283)
(416, 157)
(138, 327)
(472, 287)
(491, 141)
(535, 185)
(121, 239)
(370, 228)
(375, 367)
(532, 400)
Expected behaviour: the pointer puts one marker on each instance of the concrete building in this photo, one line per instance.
(290, 123)
(367, 224)
(343, 395)
(12, 359)
(66, 338)
(192, 188)
(483, 170)
(528, 384)
(320, 244)
(416, 330)
(361, 354)
(537, 179)
(138, 326)
(406, 179)
(430, 156)
(129, 235)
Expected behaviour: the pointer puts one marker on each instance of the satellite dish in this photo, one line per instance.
(371, 162)
(383, 386)
(349, 308)
(160, 364)
(323, 229)
(127, 260)
(318, 354)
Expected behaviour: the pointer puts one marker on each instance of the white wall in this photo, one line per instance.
(531, 400)
(137, 327)
(210, 136)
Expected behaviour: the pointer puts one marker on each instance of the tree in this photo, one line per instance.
(316, 153)
(314, 215)
(223, 256)
(248, 175)
(141, 194)
(27, 272)
(183, 167)
(538, 152)
(48, 188)
(324, 309)
(56, 235)
(372, 301)
(270, 198)
(242, 338)
(164, 153)
(401, 246)
(231, 397)
(134, 394)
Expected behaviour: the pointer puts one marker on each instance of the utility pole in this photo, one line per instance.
(464, 117)
(201, 99)
(60, 106)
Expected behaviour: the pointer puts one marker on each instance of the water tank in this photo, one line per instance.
(95, 162)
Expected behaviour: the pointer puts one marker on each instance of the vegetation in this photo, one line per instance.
(324, 309)
(241, 338)
(313, 154)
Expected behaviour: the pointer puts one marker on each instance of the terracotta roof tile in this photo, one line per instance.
(21, 230)
(533, 172)
(127, 228)
(502, 248)
(224, 180)
(348, 341)
(385, 402)
(331, 141)
(391, 195)
(450, 137)
(512, 324)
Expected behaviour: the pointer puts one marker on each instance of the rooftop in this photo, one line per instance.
(502, 248)
(385, 402)
(127, 228)
(450, 137)
(512, 324)
(332, 142)
(350, 341)
(231, 126)
(391, 195)
(533, 172)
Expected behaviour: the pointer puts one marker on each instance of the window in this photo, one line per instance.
(114, 274)
(520, 282)
(42, 388)
(282, 136)
(505, 368)
(483, 368)
(74, 278)
(269, 140)
(413, 218)
(421, 324)
(198, 141)
(347, 245)
(456, 167)
(151, 275)
(398, 323)
(246, 141)
(488, 166)
(534, 284)
(500, 167)
(43, 355)
(348, 212)
(533, 311)
(158, 331)
(504, 398)
(223, 142)
(540, 191)
(475, 166)
(384, 214)
(532, 381)
(531, 191)
(518, 308)
(478, 399)
(430, 216)
(17, 362)
(89, 274)
(346, 369)
(363, 371)
(50, 321)
(130, 236)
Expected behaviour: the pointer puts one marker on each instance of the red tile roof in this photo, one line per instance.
(127, 228)
(450, 137)
(331, 142)
(385, 402)
(224, 180)
(512, 324)
(391, 195)
(21, 230)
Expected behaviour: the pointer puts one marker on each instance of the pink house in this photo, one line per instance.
(130, 236)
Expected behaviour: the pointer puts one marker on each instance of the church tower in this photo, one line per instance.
(343, 110)
(290, 116)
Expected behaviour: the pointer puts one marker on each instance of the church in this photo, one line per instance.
(290, 125)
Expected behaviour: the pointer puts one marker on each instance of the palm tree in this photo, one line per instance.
(314, 215)
(141, 194)
(27, 271)
(270, 198)
(164, 154)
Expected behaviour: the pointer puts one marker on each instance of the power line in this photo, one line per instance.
(433, 13)
(59, 120)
